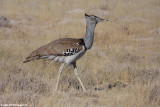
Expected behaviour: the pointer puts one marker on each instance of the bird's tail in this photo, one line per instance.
(28, 59)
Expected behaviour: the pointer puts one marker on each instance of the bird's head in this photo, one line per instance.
(94, 19)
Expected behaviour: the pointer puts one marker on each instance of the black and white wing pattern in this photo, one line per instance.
(71, 51)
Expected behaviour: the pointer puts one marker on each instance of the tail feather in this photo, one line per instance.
(28, 59)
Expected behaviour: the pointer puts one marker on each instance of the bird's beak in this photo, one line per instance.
(103, 20)
(106, 20)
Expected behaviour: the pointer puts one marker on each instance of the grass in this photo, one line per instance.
(122, 68)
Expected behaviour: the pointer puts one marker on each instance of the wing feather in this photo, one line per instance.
(60, 47)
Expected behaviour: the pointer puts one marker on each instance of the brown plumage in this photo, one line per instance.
(57, 48)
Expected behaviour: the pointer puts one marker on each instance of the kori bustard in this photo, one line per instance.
(68, 50)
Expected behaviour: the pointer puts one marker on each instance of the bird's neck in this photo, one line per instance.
(89, 37)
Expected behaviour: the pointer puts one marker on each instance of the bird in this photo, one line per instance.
(68, 50)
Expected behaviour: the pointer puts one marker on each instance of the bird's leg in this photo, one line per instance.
(77, 75)
(59, 74)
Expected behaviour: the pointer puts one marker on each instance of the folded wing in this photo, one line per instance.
(60, 47)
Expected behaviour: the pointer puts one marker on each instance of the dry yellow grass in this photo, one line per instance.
(122, 69)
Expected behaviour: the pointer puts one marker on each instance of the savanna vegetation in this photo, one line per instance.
(121, 70)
